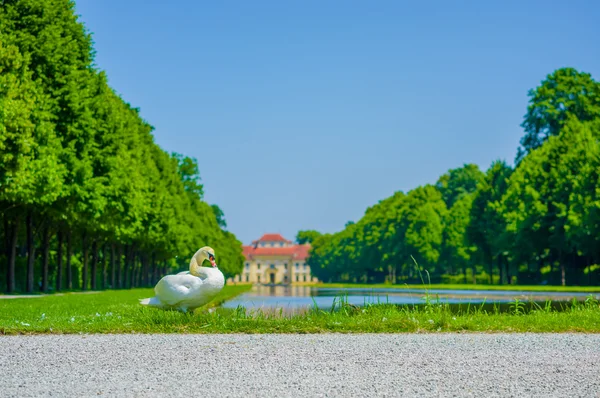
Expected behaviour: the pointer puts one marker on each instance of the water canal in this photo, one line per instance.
(294, 298)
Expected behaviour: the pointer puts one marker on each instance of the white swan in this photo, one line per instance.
(191, 289)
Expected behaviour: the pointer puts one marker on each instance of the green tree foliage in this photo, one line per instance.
(549, 197)
(220, 216)
(566, 92)
(308, 236)
(459, 182)
(79, 168)
(486, 227)
(538, 223)
(456, 248)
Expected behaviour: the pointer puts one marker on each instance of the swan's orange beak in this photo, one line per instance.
(212, 260)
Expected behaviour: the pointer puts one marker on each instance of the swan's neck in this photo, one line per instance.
(197, 269)
(205, 272)
(196, 263)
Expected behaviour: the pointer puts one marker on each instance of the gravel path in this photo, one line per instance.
(366, 365)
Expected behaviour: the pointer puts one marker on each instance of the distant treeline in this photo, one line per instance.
(536, 223)
(87, 199)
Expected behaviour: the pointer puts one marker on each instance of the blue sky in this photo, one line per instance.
(304, 113)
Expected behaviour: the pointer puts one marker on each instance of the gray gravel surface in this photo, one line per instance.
(329, 365)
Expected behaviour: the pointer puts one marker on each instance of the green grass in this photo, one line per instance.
(534, 288)
(119, 312)
(111, 311)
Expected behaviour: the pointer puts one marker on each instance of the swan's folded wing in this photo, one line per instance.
(173, 289)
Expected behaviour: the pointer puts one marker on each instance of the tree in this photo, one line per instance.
(458, 182)
(421, 229)
(307, 236)
(456, 249)
(543, 201)
(77, 161)
(564, 92)
(487, 225)
(220, 216)
(523, 222)
(31, 176)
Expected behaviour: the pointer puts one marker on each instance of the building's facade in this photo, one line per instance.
(272, 259)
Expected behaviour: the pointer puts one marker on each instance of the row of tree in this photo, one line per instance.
(538, 222)
(88, 200)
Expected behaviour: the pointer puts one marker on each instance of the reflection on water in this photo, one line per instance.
(291, 298)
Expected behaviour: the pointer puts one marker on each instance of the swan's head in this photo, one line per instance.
(209, 254)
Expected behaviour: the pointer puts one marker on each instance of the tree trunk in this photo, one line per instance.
(507, 266)
(137, 269)
(69, 255)
(84, 271)
(104, 267)
(154, 269)
(94, 263)
(145, 272)
(119, 271)
(12, 256)
(30, 253)
(134, 270)
(112, 266)
(126, 262)
(45, 258)
(132, 267)
(140, 269)
(165, 267)
(59, 262)
(490, 262)
(563, 279)
(126, 266)
(6, 235)
(500, 270)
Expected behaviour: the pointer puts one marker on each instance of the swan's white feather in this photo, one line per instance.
(185, 291)
(174, 289)
(189, 290)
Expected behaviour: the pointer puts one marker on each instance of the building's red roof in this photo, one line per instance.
(272, 238)
(296, 252)
(302, 252)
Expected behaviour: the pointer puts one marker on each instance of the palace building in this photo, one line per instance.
(272, 259)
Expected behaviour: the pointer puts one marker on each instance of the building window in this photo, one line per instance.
(285, 265)
(297, 265)
(285, 279)
(247, 266)
(305, 266)
(272, 266)
(258, 276)
(304, 278)
(258, 266)
(281, 244)
(247, 278)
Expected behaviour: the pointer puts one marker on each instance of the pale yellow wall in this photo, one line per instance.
(258, 270)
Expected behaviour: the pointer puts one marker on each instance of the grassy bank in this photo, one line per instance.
(533, 288)
(108, 311)
(119, 312)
